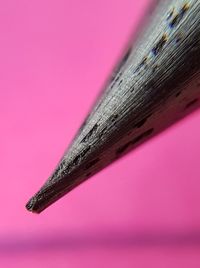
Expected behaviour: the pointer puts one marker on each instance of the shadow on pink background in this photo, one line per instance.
(142, 211)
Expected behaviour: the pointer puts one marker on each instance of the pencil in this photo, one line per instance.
(156, 83)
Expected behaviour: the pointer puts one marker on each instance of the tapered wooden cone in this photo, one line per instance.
(158, 82)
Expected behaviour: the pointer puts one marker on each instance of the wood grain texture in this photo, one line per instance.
(156, 83)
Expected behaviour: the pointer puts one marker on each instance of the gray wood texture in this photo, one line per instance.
(156, 83)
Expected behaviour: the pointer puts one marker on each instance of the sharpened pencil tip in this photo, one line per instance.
(155, 84)
(48, 194)
(31, 205)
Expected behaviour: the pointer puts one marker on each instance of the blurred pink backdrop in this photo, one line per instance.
(143, 211)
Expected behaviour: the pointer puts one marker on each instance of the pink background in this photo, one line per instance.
(143, 211)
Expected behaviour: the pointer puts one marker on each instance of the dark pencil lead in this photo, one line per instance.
(142, 98)
(31, 204)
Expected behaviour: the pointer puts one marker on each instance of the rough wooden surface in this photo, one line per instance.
(156, 83)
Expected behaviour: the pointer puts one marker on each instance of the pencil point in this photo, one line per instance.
(30, 206)
(146, 94)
